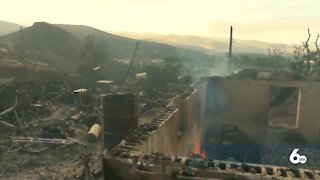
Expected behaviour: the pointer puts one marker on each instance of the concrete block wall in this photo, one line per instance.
(180, 129)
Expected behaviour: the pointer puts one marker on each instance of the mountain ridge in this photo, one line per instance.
(62, 45)
(8, 27)
(209, 45)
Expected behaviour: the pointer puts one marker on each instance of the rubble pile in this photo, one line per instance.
(266, 75)
(52, 127)
(44, 135)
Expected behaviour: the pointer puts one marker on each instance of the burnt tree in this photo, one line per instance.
(307, 57)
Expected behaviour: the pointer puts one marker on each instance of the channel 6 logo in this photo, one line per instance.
(296, 158)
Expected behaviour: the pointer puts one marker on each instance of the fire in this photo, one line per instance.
(196, 152)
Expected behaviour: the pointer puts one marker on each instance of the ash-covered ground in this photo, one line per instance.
(45, 119)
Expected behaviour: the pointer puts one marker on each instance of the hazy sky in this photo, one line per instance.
(267, 20)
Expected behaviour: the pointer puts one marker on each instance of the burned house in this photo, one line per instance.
(238, 128)
(219, 128)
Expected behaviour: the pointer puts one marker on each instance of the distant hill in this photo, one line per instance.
(46, 43)
(123, 47)
(7, 27)
(61, 46)
(214, 45)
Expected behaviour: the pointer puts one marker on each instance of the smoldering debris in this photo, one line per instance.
(266, 75)
(48, 127)
(52, 128)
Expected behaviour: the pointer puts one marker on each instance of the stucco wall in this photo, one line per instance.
(245, 103)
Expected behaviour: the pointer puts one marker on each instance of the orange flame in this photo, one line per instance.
(197, 152)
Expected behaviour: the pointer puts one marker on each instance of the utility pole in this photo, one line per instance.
(230, 50)
(131, 61)
(21, 43)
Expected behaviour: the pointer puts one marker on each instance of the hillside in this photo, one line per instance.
(62, 46)
(122, 47)
(46, 43)
(209, 45)
(7, 27)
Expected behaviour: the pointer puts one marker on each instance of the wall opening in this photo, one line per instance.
(284, 107)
